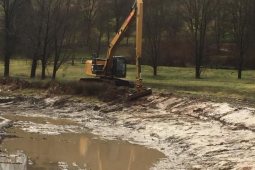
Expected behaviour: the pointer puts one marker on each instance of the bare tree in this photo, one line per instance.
(102, 25)
(197, 13)
(63, 32)
(9, 9)
(241, 12)
(220, 18)
(89, 9)
(39, 34)
(120, 10)
(154, 21)
(33, 33)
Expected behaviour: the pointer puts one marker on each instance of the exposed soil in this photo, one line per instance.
(192, 133)
(104, 91)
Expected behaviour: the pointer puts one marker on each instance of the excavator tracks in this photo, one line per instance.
(132, 94)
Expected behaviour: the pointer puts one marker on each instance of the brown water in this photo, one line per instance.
(80, 151)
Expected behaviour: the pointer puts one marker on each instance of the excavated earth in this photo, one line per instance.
(192, 133)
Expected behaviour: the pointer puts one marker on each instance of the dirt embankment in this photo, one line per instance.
(103, 91)
(192, 133)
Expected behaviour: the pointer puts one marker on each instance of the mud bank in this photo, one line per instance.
(8, 161)
(193, 134)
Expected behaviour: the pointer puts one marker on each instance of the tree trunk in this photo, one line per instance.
(198, 64)
(54, 73)
(73, 60)
(239, 73)
(43, 76)
(33, 68)
(198, 72)
(55, 65)
(155, 70)
(45, 48)
(6, 66)
(7, 49)
(240, 65)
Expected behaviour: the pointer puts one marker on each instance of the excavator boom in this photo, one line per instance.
(118, 37)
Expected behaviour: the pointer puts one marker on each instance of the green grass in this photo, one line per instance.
(214, 83)
(21, 68)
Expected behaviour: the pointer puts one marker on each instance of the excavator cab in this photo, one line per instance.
(118, 67)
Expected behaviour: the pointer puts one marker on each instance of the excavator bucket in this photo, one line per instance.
(139, 94)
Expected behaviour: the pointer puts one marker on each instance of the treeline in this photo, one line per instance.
(199, 33)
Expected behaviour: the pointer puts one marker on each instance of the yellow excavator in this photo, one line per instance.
(113, 68)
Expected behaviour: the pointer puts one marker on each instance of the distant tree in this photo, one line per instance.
(51, 27)
(89, 10)
(220, 20)
(39, 34)
(43, 41)
(9, 9)
(241, 13)
(197, 14)
(154, 21)
(47, 36)
(252, 46)
(120, 11)
(102, 25)
(33, 32)
(173, 21)
(173, 35)
(64, 29)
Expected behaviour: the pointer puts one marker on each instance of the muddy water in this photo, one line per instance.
(79, 151)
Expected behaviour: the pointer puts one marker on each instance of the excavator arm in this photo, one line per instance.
(118, 37)
(139, 39)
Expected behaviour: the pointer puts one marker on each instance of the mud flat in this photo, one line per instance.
(62, 144)
(192, 133)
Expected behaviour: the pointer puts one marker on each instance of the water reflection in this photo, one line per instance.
(81, 151)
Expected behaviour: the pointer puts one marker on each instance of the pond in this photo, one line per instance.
(78, 151)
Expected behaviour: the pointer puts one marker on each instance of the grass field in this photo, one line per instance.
(214, 83)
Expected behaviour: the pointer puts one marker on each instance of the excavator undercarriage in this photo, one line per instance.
(133, 92)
